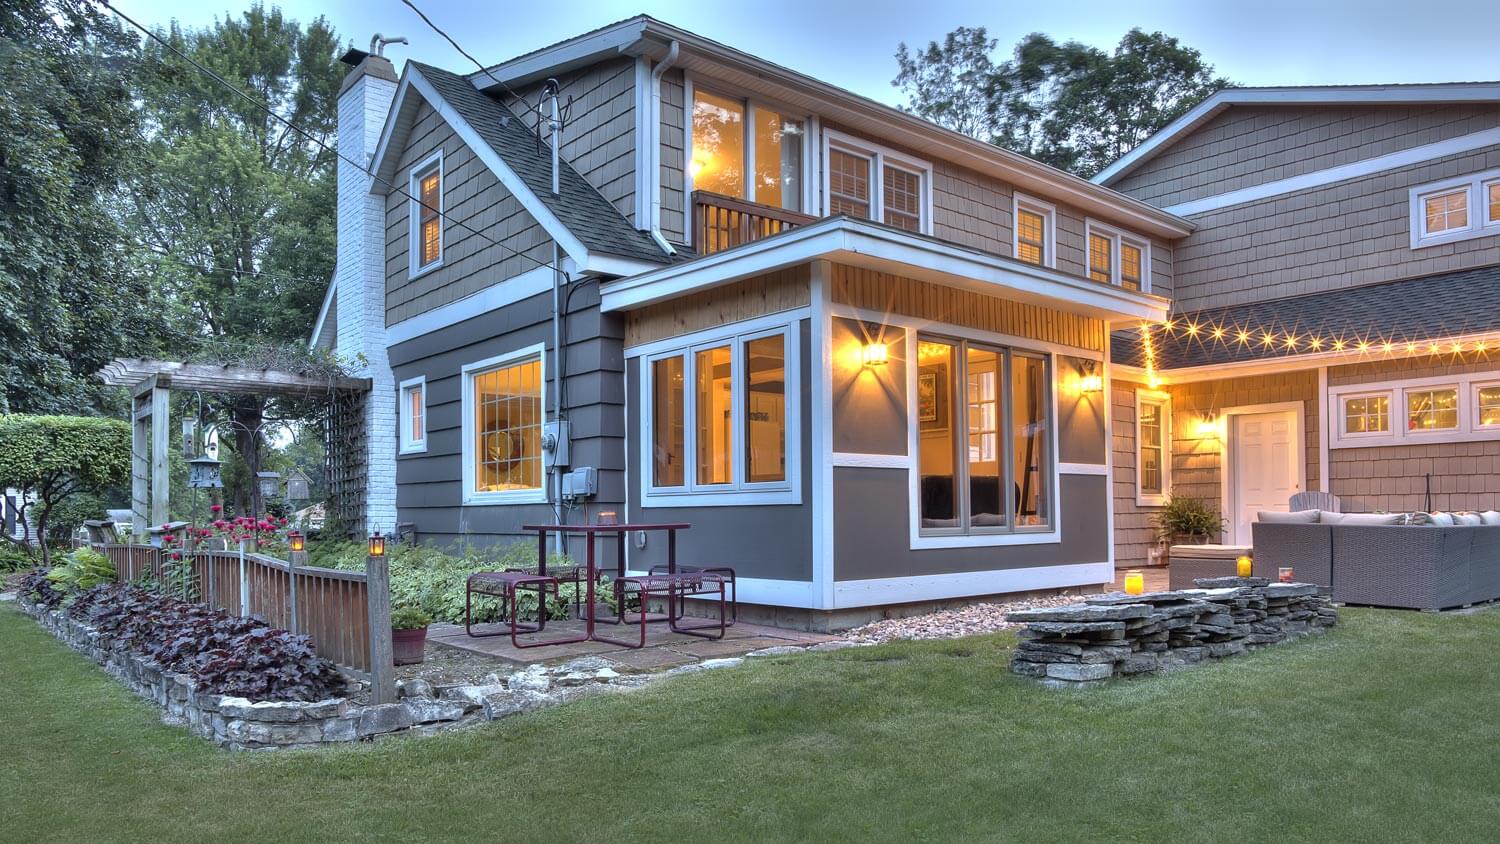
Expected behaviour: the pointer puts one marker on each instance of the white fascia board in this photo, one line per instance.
(615, 265)
(388, 134)
(850, 241)
(508, 177)
(1463, 92)
(312, 342)
(576, 52)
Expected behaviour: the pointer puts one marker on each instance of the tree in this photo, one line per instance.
(1069, 105)
(71, 293)
(50, 459)
(239, 208)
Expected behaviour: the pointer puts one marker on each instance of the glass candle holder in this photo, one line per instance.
(1135, 583)
(1243, 565)
(1284, 574)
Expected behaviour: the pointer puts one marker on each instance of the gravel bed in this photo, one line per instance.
(971, 620)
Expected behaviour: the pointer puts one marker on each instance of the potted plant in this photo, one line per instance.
(409, 635)
(1187, 521)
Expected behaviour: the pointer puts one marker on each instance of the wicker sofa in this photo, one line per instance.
(1425, 567)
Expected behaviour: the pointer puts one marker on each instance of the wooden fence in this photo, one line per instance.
(330, 606)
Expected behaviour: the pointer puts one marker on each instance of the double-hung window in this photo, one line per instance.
(412, 415)
(1036, 234)
(746, 150)
(1118, 257)
(503, 413)
(720, 421)
(870, 182)
(425, 240)
(1153, 450)
(983, 425)
(1455, 209)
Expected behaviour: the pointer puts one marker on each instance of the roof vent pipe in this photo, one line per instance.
(554, 126)
(378, 42)
(653, 131)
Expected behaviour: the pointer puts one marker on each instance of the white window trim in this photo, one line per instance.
(809, 128)
(472, 497)
(403, 415)
(739, 492)
(1481, 224)
(1020, 202)
(880, 157)
(1341, 415)
(1468, 430)
(1144, 499)
(414, 215)
(1426, 434)
(1051, 534)
(1116, 236)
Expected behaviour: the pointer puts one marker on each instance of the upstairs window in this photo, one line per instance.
(1035, 231)
(426, 245)
(873, 183)
(728, 132)
(1118, 257)
(1455, 209)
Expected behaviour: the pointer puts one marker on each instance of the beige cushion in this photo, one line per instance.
(1209, 552)
(1440, 519)
(1364, 518)
(1467, 519)
(1278, 517)
(1490, 517)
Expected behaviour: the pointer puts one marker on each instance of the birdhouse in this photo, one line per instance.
(269, 483)
(297, 483)
(204, 473)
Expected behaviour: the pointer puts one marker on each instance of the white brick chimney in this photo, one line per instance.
(364, 101)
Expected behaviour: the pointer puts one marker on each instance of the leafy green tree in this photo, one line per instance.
(51, 459)
(71, 292)
(1067, 104)
(238, 209)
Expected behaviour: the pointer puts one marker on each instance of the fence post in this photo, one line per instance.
(244, 585)
(293, 560)
(382, 661)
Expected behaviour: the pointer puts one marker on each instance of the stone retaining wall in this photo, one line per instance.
(1115, 635)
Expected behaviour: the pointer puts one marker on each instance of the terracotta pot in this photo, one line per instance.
(409, 647)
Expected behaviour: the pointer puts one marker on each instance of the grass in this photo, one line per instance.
(1384, 729)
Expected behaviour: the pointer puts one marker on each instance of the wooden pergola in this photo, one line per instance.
(151, 383)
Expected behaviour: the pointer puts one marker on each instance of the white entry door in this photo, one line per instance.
(1264, 454)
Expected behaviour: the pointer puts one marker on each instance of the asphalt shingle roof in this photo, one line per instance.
(581, 208)
(1415, 310)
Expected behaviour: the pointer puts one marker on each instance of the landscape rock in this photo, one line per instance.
(383, 718)
(508, 702)
(425, 710)
(415, 687)
(777, 650)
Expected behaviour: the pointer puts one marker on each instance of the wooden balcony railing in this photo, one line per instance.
(723, 222)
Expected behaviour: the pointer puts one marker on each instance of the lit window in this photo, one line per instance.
(722, 132)
(503, 410)
(1446, 211)
(1432, 410)
(1367, 415)
(1130, 266)
(1492, 203)
(1152, 447)
(1489, 406)
(427, 214)
(903, 199)
(733, 419)
(981, 477)
(848, 184)
(413, 415)
(1101, 250)
(1031, 244)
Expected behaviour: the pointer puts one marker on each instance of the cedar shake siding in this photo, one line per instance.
(599, 133)
(1342, 235)
(1252, 145)
(1134, 532)
(473, 199)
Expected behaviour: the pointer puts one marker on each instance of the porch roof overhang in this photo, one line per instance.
(214, 378)
(861, 243)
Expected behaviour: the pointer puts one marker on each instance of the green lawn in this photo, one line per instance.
(1385, 729)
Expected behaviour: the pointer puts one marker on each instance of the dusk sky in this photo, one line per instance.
(852, 44)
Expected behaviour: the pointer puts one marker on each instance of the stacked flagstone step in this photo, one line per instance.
(1117, 634)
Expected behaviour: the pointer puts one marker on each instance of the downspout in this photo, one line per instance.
(653, 132)
(552, 89)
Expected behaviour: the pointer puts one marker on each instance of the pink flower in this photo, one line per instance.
(216, 508)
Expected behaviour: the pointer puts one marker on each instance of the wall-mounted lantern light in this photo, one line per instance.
(875, 354)
(1208, 426)
(1089, 380)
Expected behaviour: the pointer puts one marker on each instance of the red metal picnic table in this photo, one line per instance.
(591, 567)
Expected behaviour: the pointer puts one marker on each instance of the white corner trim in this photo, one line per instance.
(1325, 427)
(852, 460)
(1341, 173)
(932, 587)
(472, 498)
(643, 143)
(824, 556)
(1083, 468)
(533, 282)
(408, 445)
(325, 309)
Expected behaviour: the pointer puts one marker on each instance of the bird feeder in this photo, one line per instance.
(204, 472)
(269, 484)
(297, 484)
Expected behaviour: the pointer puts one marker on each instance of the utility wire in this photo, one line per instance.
(534, 109)
(314, 139)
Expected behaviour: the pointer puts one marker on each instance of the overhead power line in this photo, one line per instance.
(534, 109)
(313, 138)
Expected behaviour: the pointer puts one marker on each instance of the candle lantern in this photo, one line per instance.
(1135, 583)
(1284, 574)
(297, 540)
(377, 545)
(1243, 565)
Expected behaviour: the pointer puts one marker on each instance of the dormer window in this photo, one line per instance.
(874, 183)
(426, 245)
(727, 133)
(1118, 257)
(1036, 231)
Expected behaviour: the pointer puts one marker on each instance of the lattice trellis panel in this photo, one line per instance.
(345, 453)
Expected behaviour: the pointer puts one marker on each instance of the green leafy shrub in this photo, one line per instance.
(80, 570)
(15, 558)
(409, 618)
(51, 459)
(1189, 517)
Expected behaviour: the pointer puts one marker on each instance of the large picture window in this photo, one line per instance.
(721, 420)
(747, 151)
(502, 429)
(993, 474)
